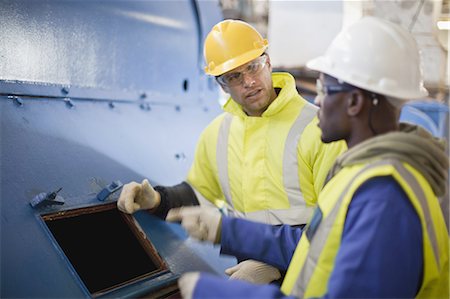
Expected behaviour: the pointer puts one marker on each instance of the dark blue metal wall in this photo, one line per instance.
(92, 92)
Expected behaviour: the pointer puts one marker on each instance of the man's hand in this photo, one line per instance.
(187, 283)
(135, 197)
(254, 272)
(201, 223)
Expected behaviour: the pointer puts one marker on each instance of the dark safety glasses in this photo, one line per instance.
(324, 90)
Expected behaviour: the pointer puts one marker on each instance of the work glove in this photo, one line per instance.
(202, 223)
(187, 283)
(254, 272)
(135, 197)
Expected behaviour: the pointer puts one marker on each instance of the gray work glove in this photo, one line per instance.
(202, 223)
(254, 272)
(135, 197)
(187, 283)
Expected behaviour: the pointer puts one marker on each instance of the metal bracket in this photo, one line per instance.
(47, 198)
(108, 190)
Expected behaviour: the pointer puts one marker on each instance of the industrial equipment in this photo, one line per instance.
(93, 94)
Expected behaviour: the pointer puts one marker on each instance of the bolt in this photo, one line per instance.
(145, 106)
(65, 90)
(69, 103)
(180, 156)
(17, 100)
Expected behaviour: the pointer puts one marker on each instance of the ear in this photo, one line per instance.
(355, 102)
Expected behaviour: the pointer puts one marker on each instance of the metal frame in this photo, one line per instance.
(145, 242)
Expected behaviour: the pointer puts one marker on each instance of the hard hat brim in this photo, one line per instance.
(235, 62)
(324, 65)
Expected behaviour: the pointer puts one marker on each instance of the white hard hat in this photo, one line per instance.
(375, 55)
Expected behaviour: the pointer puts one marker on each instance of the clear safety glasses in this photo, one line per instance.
(236, 78)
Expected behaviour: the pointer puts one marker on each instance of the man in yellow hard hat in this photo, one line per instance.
(378, 230)
(262, 159)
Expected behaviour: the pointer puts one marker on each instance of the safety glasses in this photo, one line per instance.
(324, 90)
(252, 68)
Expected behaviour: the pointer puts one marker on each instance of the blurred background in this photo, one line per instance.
(300, 30)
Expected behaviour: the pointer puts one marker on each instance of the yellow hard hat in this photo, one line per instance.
(230, 44)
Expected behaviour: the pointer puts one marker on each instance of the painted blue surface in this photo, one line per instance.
(432, 116)
(93, 92)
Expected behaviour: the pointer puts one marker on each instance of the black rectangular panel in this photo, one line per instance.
(104, 246)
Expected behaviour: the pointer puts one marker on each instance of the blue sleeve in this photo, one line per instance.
(380, 254)
(381, 251)
(209, 286)
(271, 244)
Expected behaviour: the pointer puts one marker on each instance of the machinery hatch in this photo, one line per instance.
(105, 247)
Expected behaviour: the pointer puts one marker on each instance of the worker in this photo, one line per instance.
(378, 230)
(262, 159)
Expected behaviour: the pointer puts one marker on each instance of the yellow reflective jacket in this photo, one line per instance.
(312, 263)
(269, 168)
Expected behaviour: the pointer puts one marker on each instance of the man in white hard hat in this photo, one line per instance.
(262, 159)
(378, 230)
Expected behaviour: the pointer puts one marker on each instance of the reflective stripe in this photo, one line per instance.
(318, 243)
(291, 179)
(289, 216)
(420, 195)
(222, 157)
(202, 200)
(298, 211)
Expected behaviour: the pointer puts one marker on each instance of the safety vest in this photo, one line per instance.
(313, 262)
(270, 168)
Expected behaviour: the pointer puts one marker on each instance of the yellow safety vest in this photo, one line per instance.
(270, 168)
(313, 263)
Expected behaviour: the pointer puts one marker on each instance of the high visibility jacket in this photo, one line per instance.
(270, 168)
(313, 259)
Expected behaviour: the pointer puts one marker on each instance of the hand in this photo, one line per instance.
(187, 283)
(200, 222)
(254, 272)
(135, 197)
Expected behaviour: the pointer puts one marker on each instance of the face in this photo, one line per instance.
(331, 98)
(250, 85)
